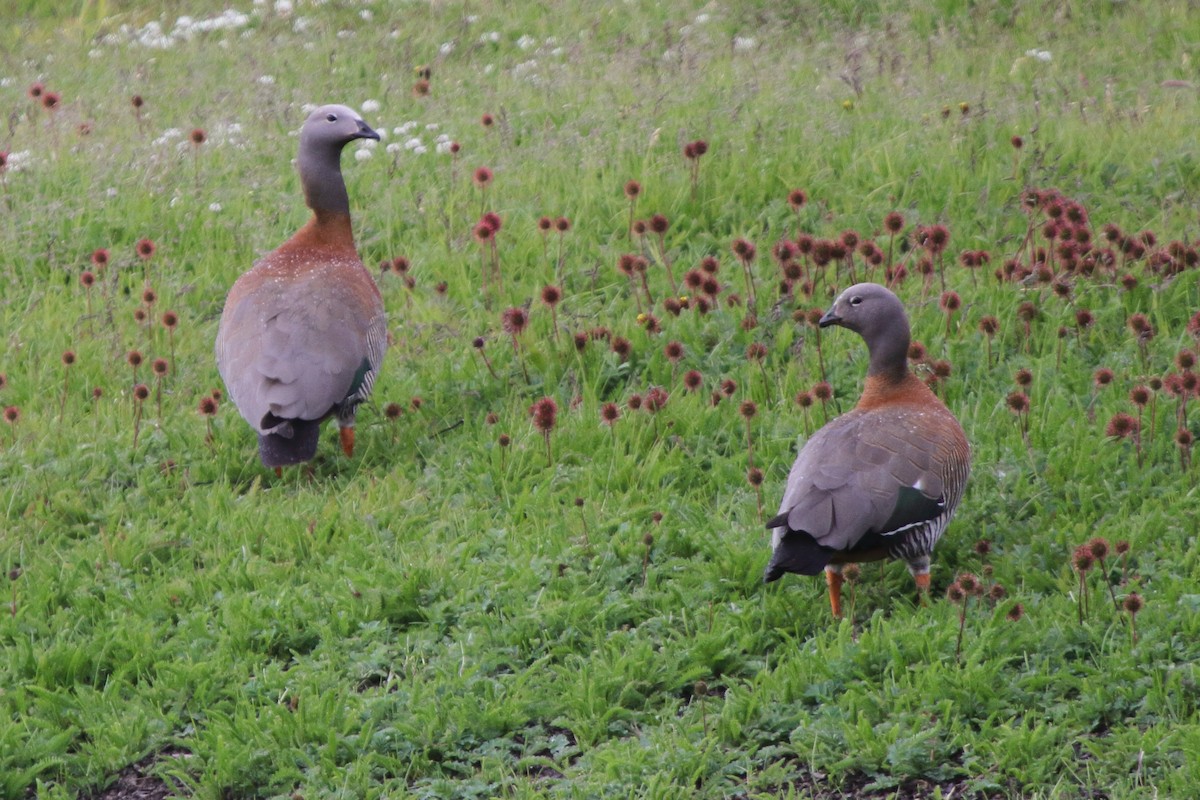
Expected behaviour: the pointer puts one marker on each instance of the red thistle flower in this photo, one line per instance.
(145, 249)
(634, 402)
(621, 346)
(134, 358)
(1016, 612)
(545, 414)
(693, 380)
(1139, 396)
(545, 223)
(673, 351)
(893, 222)
(656, 399)
(754, 476)
(36, 90)
(487, 120)
(562, 224)
(100, 258)
(141, 391)
(87, 278)
(989, 325)
(797, 198)
(492, 220)
(551, 295)
(1102, 377)
(207, 406)
(160, 367)
(1017, 142)
(50, 100)
(743, 249)
(610, 413)
(1121, 426)
(1018, 402)
(68, 357)
(950, 302)
(514, 320)
(748, 409)
(482, 176)
(632, 189)
(659, 224)
(1023, 377)
(12, 414)
(823, 391)
(728, 387)
(198, 136)
(137, 102)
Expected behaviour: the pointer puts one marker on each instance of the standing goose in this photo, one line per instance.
(883, 479)
(304, 331)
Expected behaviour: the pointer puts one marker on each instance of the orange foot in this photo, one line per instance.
(347, 437)
(279, 472)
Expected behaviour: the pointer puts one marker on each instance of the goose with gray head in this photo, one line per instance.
(882, 480)
(303, 332)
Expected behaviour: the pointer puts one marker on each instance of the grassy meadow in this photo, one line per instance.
(472, 608)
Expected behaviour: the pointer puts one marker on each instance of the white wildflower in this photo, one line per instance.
(370, 106)
(526, 42)
(214, 208)
(445, 48)
(362, 154)
(743, 44)
(266, 80)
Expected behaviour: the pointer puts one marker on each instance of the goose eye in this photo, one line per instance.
(331, 117)
(856, 301)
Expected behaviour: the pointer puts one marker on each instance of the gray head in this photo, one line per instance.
(326, 131)
(877, 315)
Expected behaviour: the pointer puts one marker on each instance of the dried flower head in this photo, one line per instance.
(198, 137)
(632, 189)
(1016, 612)
(1121, 426)
(1133, 603)
(797, 198)
(514, 320)
(551, 295)
(610, 413)
(207, 406)
(141, 391)
(544, 413)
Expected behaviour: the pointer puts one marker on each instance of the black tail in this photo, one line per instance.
(798, 553)
(283, 451)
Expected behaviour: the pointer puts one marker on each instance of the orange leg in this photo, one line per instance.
(835, 580)
(347, 437)
(279, 472)
(922, 581)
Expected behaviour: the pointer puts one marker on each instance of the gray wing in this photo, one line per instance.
(851, 476)
(297, 348)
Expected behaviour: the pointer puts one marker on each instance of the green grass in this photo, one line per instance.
(436, 617)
